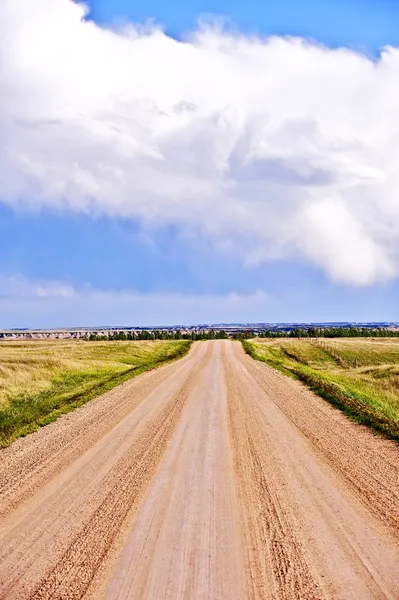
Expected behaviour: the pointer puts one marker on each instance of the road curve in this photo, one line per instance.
(213, 477)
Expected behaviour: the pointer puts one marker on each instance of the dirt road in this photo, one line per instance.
(210, 478)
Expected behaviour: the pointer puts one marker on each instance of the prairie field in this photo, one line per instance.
(360, 376)
(39, 380)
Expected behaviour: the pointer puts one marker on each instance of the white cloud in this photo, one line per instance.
(17, 287)
(54, 290)
(24, 304)
(280, 146)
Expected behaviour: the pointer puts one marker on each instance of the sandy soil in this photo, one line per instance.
(213, 477)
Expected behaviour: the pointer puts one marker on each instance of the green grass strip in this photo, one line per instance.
(352, 405)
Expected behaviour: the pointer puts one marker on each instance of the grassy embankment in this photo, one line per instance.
(361, 377)
(40, 380)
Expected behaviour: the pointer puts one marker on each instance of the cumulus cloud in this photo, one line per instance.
(280, 147)
(24, 302)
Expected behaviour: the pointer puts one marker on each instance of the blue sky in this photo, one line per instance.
(87, 255)
(362, 24)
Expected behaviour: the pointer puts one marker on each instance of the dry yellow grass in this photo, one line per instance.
(41, 379)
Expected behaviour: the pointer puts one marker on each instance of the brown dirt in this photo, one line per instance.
(212, 477)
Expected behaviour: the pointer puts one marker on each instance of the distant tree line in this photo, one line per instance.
(157, 334)
(310, 332)
(329, 332)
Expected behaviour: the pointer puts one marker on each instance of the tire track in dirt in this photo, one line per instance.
(275, 561)
(185, 541)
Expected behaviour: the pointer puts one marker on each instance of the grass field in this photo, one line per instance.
(360, 376)
(39, 380)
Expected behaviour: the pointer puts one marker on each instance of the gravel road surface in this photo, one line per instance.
(213, 477)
